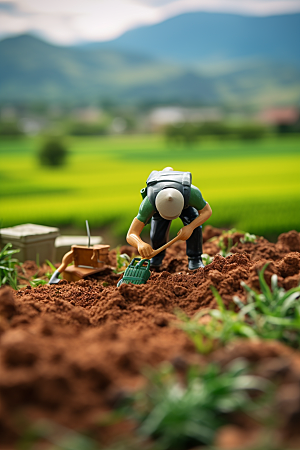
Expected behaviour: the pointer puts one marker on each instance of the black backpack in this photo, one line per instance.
(159, 180)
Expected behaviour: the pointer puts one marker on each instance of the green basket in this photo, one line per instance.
(136, 272)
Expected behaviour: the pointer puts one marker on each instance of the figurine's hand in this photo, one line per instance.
(185, 232)
(145, 250)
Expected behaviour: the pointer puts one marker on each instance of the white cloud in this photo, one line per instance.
(68, 21)
(72, 20)
(255, 7)
(11, 24)
(113, 18)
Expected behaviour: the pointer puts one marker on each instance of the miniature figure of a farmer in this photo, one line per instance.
(170, 194)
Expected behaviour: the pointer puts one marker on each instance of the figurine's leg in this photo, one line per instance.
(194, 243)
(159, 235)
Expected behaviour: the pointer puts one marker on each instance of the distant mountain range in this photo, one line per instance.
(213, 37)
(194, 58)
(33, 70)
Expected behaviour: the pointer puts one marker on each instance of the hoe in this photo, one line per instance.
(138, 270)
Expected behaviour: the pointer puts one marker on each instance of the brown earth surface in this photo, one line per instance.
(69, 351)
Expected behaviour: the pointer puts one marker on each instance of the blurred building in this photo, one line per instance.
(285, 116)
(172, 115)
(88, 114)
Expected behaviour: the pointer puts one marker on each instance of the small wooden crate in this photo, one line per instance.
(87, 261)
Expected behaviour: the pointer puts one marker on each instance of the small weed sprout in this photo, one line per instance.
(225, 250)
(123, 261)
(38, 282)
(248, 238)
(8, 272)
(207, 259)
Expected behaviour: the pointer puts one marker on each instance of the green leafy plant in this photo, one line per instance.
(273, 313)
(8, 271)
(219, 327)
(182, 414)
(34, 280)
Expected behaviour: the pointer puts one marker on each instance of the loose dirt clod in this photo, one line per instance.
(67, 351)
(7, 303)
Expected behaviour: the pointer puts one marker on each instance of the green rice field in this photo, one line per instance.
(253, 186)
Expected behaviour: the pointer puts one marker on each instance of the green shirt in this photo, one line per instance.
(146, 209)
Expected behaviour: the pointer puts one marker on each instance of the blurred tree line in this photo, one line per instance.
(10, 128)
(106, 118)
(189, 133)
(73, 120)
(186, 132)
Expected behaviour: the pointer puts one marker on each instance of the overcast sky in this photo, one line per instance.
(72, 21)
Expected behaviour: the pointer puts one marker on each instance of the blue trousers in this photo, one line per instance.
(159, 235)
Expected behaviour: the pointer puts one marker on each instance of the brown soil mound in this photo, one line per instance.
(68, 351)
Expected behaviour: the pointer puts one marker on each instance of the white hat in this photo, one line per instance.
(169, 203)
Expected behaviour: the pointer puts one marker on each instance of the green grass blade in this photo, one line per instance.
(289, 302)
(218, 298)
(8, 245)
(8, 269)
(288, 293)
(263, 284)
(49, 263)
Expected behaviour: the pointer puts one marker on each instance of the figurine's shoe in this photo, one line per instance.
(155, 262)
(195, 263)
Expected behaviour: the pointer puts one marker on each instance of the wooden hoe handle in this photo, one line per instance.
(177, 238)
